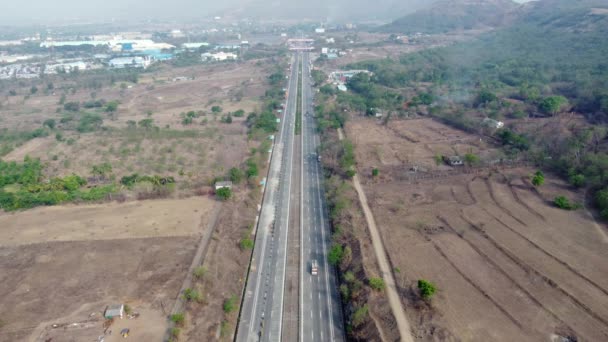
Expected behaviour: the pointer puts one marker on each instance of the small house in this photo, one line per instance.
(453, 161)
(493, 123)
(223, 184)
(116, 310)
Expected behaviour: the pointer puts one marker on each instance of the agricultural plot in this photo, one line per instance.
(507, 263)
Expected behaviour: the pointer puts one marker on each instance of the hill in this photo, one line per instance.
(448, 15)
(330, 11)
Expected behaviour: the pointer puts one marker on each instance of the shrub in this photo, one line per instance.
(199, 272)
(236, 175)
(246, 243)
(577, 180)
(377, 284)
(538, 179)
(359, 316)
(427, 289)
(223, 194)
(563, 202)
(192, 295)
(179, 319)
(175, 332)
(335, 254)
(375, 172)
(230, 304)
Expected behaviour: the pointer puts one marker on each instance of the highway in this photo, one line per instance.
(320, 311)
(262, 308)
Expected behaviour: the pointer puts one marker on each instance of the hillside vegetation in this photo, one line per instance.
(551, 61)
(447, 15)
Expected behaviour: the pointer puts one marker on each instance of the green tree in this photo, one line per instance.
(33, 90)
(216, 109)
(111, 107)
(471, 159)
(50, 123)
(563, 202)
(577, 180)
(377, 284)
(375, 172)
(236, 175)
(335, 254)
(146, 123)
(538, 179)
(359, 316)
(552, 104)
(223, 194)
(427, 289)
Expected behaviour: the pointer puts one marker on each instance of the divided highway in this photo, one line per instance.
(262, 311)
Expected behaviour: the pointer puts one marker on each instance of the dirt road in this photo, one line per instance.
(391, 290)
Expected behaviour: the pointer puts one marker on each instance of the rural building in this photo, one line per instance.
(116, 310)
(223, 184)
(320, 30)
(492, 123)
(219, 56)
(453, 160)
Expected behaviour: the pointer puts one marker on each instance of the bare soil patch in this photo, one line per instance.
(109, 221)
(65, 282)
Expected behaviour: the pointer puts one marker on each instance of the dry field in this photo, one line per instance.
(192, 158)
(404, 144)
(507, 263)
(63, 265)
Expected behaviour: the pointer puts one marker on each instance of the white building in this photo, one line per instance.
(218, 56)
(129, 62)
(493, 123)
(194, 46)
(320, 30)
(65, 67)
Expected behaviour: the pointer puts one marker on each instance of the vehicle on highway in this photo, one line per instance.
(314, 267)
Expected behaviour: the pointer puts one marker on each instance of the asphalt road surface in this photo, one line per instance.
(262, 310)
(261, 316)
(320, 311)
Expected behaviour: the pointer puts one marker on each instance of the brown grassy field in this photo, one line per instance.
(193, 154)
(507, 263)
(63, 265)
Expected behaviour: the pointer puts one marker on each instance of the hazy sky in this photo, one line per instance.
(45, 11)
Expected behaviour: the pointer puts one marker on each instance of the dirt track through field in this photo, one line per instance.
(391, 289)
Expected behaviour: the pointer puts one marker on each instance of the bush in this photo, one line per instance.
(335, 254)
(230, 304)
(192, 295)
(577, 180)
(199, 272)
(359, 316)
(246, 243)
(538, 179)
(175, 333)
(427, 289)
(216, 109)
(179, 319)
(564, 203)
(223, 194)
(375, 172)
(377, 284)
(236, 175)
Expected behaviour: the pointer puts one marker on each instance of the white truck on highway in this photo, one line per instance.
(314, 268)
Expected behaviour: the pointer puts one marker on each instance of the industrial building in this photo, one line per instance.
(218, 56)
